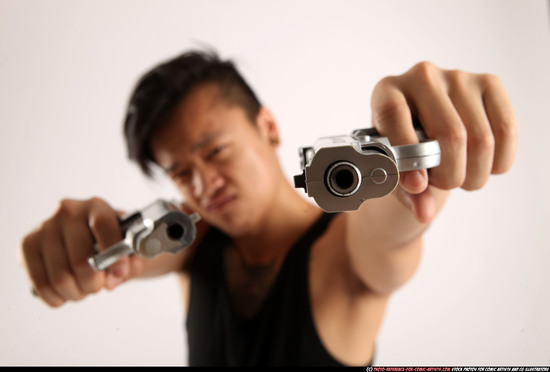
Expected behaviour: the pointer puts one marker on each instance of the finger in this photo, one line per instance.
(105, 227)
(137, 265)
(391, 114)
(393, 119)
(480, 140)
(117, 273)
(104, 223)
(427, 94)
(421, 205)
(56, 261)
(414, 182)
(503, 123)
(36, 270)
(79, 245)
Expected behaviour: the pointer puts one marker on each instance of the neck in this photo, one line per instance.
(284, 223)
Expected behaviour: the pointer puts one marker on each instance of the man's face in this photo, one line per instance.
(224, 166)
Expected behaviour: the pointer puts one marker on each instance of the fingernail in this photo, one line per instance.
(116, 275)
(118, 271)
(414, 180)
(113, 281)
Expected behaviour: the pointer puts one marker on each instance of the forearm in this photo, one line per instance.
(398, 219)
(385, 238)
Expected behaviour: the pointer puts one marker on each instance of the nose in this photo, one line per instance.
(206, 181)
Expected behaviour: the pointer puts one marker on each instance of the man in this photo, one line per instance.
(271, 279)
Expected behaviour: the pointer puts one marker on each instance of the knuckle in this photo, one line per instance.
(83, 269)
(88, 280)
(67, 209)
(91, 287)
(94, 286)
(385, 83)
(29, 243)
(101, 216)
(455, 136)
(390, 111)
(94, 200)
(28, 253)
(483, 142)
(423, 67)
(101, 222)
(457, 75)
(489, 80)
(48, 227)
(458, 80)
(506, 130)
(64, 282)
(61, 279)
(426, 72)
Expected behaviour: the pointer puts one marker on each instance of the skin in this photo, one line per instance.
(227, 170)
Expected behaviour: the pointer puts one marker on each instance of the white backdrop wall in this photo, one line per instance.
(482, 293)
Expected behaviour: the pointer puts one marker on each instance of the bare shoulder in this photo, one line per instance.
(346, 313)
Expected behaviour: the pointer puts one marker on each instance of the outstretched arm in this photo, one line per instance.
(55, 255)
(472, 118)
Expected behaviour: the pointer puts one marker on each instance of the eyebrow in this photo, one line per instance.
(199, 145)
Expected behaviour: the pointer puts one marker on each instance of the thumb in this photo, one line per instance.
(118, 273)
(422, 205)
(414, 182)
(124, 269)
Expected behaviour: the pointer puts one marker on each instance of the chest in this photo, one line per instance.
(248, 285)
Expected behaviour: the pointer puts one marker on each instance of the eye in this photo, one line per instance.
(182, 176)
(216, 151)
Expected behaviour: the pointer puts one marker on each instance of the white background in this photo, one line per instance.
(482, 293)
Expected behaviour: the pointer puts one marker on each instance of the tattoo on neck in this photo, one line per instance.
(248, 284)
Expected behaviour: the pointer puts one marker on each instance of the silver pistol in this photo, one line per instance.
(159, 227)
(340, 173)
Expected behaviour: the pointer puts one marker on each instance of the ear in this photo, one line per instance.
(267, 126)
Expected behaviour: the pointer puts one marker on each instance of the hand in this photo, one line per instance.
(56, 254)
(469, 114)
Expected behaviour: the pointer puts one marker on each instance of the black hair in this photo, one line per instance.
(160, 90)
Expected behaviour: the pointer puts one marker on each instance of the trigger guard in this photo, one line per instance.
(423, 155)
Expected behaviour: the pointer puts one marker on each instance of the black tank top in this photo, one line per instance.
(282, 333)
